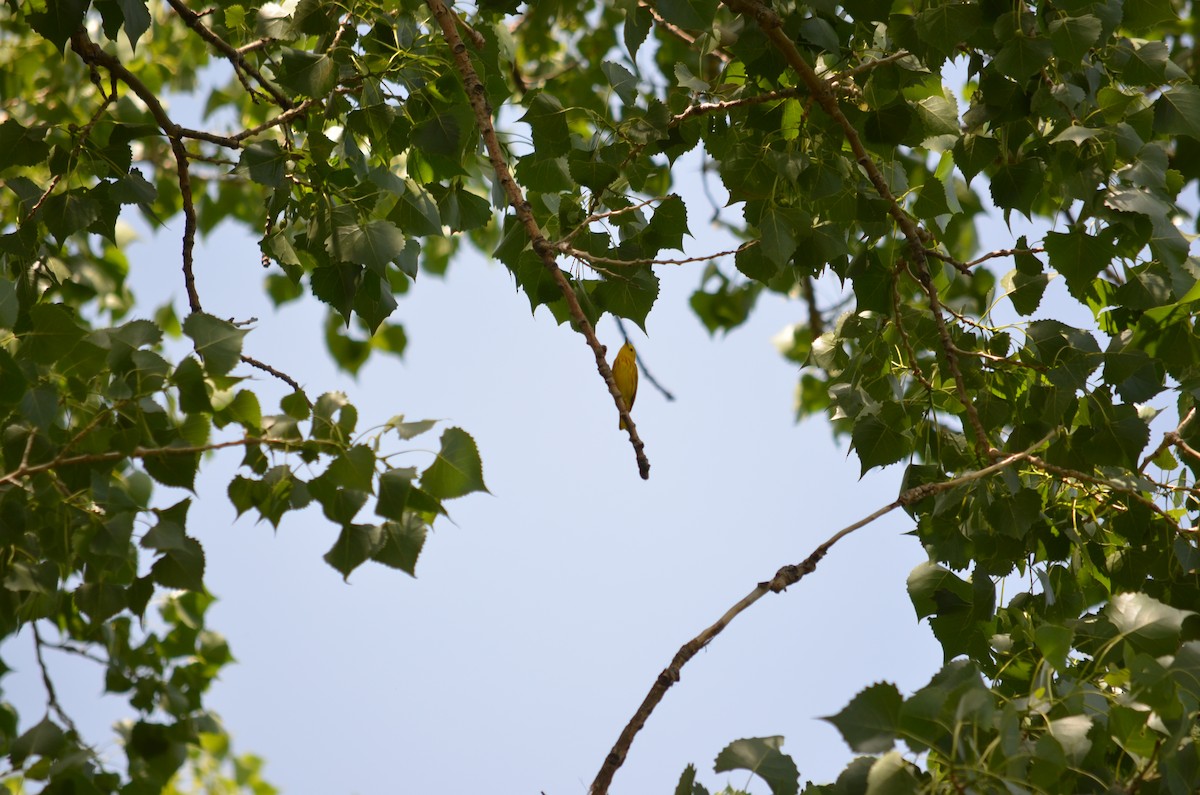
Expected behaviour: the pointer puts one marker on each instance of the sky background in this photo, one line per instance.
(543, 612)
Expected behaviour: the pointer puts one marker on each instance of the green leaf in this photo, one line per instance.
(881, 438)
(1024, 290)
(1177, 111)
(44, 739)
(21, 146)
(762, 757)
(622, 81)
(778, 242)
(173, 468)
(1146, 623)
(1016, 185)
(688, 14)
(1079, 257)
(941, 28)
(264, 162)
(54, 333)
(373, 244)
(1023, 56)
(307, 73)
(1073, 37)
(137, 19)
(395, 486)
(409, 429)
(974, 153)
(631, 297)
(354, 546)
(60, 19)
(548, 121)
(457, 470)
(416, 213)
(1148, 14)
(402, 544)
(218, 342)
(868, 723)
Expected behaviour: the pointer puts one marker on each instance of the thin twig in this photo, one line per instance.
(545, 250)
(965, 267)
(867, 66)
(138, 452)
(642, 364)
(235, 140)
(682, 34)
(786, 576)
(51, 696)
(593, 217)
(1073, 474)
(1170, 438)
(571, 251)
(702, 108)
(282, 376)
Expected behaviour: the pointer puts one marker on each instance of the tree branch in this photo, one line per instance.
(570, 251)
(822, 92)
(786, 576)
(541, 246)
(26, 469)
(51, 696)
(282, 376)
(93, 55)
(235, 56)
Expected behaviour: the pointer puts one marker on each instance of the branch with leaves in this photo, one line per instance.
(545, 249)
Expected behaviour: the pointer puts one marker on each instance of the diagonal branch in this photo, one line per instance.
(821, 90)
(541, 246)
(788, 575)
(235, 56)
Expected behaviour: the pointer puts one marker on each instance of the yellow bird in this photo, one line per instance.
(625, 373)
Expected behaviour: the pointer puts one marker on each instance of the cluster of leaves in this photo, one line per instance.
(846, 159)
(96, 408)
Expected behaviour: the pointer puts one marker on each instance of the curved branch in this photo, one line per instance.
(541, 246)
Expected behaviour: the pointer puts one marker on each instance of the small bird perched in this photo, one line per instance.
(625, 373)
